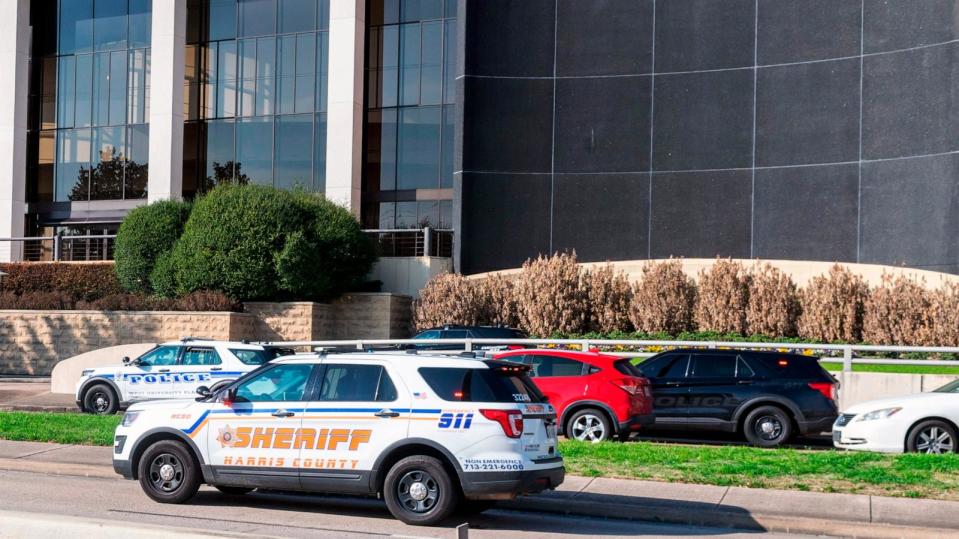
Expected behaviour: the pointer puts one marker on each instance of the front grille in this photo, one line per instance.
(844, 419)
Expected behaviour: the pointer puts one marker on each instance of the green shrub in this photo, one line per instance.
(162, 278)
(145, 234)
(255, 242)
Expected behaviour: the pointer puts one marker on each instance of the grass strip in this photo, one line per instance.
(63, 428)
(910, 475)
(894, 369)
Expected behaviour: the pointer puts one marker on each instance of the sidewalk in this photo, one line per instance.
(33, 395)
(848, 515)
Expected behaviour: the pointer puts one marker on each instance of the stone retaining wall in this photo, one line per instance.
(32, 342)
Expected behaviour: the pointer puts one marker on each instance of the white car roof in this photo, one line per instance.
(392, 357)
(208, 342)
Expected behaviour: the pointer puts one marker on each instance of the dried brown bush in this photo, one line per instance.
(663, 300)
(551, 295)
(899, 311)
(35, 300)
(722, 298)
(498, 300)
(448, 298)
(609, 296)
(773, 307)
(832, 306)
(945, 314)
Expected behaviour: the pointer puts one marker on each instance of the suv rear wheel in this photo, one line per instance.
(418, 491)
(589, 425)
(767, 426)
(168, 473)
(101, 400)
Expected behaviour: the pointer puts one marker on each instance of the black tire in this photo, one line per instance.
(168, 473)
(233, 491)
(429, 479)
(100, 399)
(589, 425)
(932, 436)
(624, 435)
(767, 426)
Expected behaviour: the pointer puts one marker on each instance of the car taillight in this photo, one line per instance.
(510, 420)
(828, 390)
(631, 385)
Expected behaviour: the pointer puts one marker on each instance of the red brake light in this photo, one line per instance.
(629, 385)
(828, 390)
(510, 420)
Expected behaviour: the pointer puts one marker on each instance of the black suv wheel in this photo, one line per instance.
(100, 399)
(418, 491)
(168, 473)
(767, 426)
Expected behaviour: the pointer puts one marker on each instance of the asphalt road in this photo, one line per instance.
(120, 502)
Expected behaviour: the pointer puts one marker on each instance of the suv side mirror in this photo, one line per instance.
(229, 396)
(203, 392)
(126, 360)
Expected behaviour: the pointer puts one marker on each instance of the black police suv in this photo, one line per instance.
(451, 331)
(766, 396)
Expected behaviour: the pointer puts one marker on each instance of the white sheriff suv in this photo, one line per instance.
(169, 371)
(429, 434)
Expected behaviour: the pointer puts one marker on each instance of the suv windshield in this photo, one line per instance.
(499, 383)
(951, 387)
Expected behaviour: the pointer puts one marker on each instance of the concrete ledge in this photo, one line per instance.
(21, 524)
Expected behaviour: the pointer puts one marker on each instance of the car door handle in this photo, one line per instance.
(282, 413)
(216, 368)
(387, 413)
(164, 370)
(744, 382)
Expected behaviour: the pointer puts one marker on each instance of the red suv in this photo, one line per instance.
(596, 396)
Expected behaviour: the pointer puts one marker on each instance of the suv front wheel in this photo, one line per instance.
(101, 400)
(418, 491)
(168, 473)
(767, 426)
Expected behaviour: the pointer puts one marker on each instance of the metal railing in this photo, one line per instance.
(426, 241)
(62, 248)
(847, 354)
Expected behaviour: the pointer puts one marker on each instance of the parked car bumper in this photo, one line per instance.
(508, 485)
(816, 426)
(637, 422)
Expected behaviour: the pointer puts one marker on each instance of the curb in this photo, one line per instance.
(715, 518)
(36, 408)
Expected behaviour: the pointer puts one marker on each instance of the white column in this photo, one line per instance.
(14, 61)
(166, 100)
(344, 131)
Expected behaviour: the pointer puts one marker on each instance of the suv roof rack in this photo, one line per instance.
(188, 338)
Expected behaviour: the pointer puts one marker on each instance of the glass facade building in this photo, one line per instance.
(89, 86)
(408, 130)
(255, 93)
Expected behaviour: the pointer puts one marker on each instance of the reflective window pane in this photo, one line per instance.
(73, 164)
(254, 149)
(431, 82)
(257, 17)
(265, 73)
(84, 88)
(322, 70)
(118, 88)
(109, 156)
(222, 19)
(323, 14)
(294, 151)
(219, 154)
(319, 154)
(66, 96)
(446, 167)
(296, 15)
(137, 165)
(418, 148)
(286, 88)
(141, 21)
(76, 26)
(110, 24)
(226, 83)
(305, 72)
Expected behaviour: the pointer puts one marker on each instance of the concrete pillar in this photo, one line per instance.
(344, 141)
(14, 62)
(166, 100)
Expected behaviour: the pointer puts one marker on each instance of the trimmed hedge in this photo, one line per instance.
(72, 281)
(146, 234)
(123, 301)
(256, 242)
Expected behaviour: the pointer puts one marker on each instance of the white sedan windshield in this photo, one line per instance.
(951, 387)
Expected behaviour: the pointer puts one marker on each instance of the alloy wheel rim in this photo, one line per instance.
(768, 428)
(935, 440)
(166, 472)
(418, 491)
(589, 428)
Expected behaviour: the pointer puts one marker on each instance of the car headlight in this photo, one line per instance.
(129, 418)
(86, 372)
(878, 414)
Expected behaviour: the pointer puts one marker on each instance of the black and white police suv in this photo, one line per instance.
(169, 371)
(429, 434)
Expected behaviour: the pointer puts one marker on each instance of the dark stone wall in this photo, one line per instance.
(630, 129)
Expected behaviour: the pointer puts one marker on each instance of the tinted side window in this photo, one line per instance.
(160, 356)
(284, 383)
(743, 370)
(357, 383)
(252, 357)
(432, 334)
(479, 385)
(625, 366)
(792, 366)
(195, 356)
(714, 366)
(672, 366)
(555, 366)
(455, 334)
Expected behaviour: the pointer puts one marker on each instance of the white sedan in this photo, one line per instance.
(923, 423)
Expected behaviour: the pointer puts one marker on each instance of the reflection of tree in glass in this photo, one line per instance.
(227, 173)
(106, 180)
